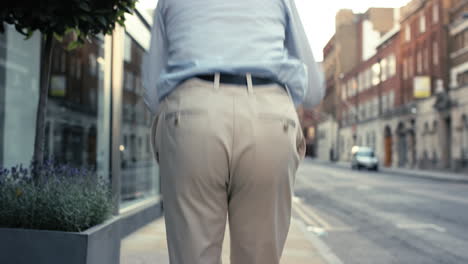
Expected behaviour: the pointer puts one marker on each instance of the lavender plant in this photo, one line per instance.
(65, 199)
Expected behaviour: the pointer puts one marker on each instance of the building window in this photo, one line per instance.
(353, 115)
(369, 113)
(384, 69)
(128, 82)
(128, 48)
(375, 74)
(460, 41)
(362, 113)
(374, 140)
(422, 23)
(384, 103)
(391, 66)
(410, 66)
(405, 69)
(465, 38)
(354, 84)
(435, 53)
(344, 86)
(426, 59)
(408, 32)
(464, 136)
(344, 91)
(462, 79)
(92, 61)
(341, 144)
(348, 89)
(365, 78)
(435, 13)
(419, 62)
(391, 100)
(360, 82)
(376, 107)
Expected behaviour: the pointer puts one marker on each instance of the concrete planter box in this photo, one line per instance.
(97, 245)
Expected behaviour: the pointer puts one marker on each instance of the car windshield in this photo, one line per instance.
(365, 154)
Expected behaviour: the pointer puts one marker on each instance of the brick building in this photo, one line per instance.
(355, 39)
(326, 126)
(369, 92)
(339, 55)
(330, 67)
(426, 134)
(424, 45)
(458, 53)
(407, 96)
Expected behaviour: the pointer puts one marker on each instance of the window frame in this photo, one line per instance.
(422, 23)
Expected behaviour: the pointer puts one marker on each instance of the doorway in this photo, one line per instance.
(447, 147)
(402, 146)
(388, 143)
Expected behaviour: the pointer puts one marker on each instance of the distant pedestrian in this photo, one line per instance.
(223, 79)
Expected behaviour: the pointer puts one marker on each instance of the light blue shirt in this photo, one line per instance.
(263, 37)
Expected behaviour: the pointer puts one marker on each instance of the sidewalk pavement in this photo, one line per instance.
(148, 246)
(427, 174)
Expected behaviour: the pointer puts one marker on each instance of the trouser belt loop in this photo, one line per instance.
(249, 83)
(217, 80)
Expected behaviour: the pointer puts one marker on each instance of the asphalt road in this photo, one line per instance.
(377, 218)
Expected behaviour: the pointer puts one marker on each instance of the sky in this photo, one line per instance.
(319, 20)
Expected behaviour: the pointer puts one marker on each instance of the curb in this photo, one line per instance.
(426, 176)
(416, 174)
(322, 248)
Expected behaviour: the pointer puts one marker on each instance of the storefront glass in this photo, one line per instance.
(140, 177)
(79, 119)
(19, 92)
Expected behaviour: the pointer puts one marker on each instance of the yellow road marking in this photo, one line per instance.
(310, 215)
(318, 218)
(308, 220)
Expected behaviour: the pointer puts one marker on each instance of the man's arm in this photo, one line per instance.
(156, 60)
(298, 47)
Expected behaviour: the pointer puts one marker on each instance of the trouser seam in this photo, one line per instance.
(231, 173)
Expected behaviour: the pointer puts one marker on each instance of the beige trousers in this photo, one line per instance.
(227, 151)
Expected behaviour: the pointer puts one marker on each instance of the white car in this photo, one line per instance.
(364, 157)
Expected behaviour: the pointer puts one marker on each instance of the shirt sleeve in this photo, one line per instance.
(298, 47)
(155, 60)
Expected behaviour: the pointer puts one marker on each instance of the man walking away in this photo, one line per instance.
(223, 79)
